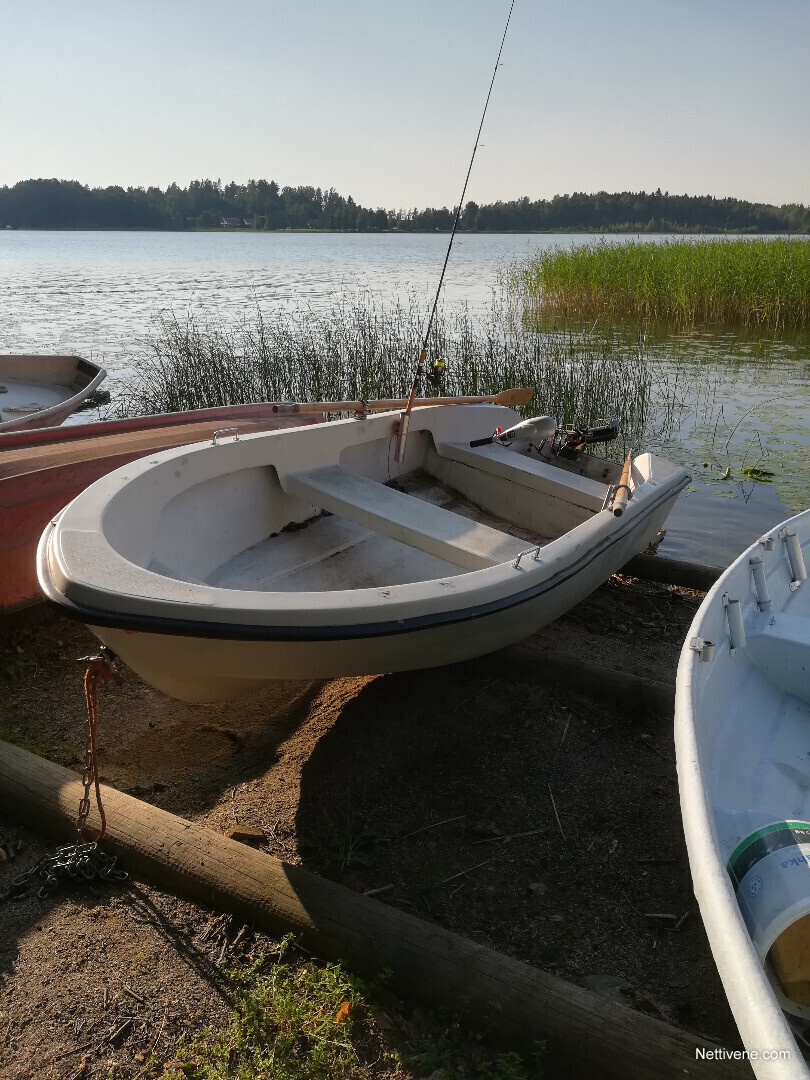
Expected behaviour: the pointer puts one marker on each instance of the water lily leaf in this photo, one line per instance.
(762, 476)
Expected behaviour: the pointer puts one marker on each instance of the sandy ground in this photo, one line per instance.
(541, 823)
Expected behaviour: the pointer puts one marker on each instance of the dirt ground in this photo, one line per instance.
(538, 822)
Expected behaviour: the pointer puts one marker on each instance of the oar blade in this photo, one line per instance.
(518, 396)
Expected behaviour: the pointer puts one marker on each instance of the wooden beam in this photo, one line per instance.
(569, 672)
(585, 1034)
(689, 575)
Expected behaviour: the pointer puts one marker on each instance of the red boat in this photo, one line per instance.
(42, 470)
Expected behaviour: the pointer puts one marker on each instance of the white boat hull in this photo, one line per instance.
(383, 581)
(42, 391)
(742, 736)
(206, 669)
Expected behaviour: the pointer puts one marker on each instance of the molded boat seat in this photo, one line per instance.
(781, 651)
(531, 472)
(402, 517)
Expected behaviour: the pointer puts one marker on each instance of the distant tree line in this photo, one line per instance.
(263, 205)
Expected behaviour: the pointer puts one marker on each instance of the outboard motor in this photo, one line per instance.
(536, 430)
(578, 438)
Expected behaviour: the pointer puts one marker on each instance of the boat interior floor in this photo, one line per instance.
(19, 398)
(331, 552)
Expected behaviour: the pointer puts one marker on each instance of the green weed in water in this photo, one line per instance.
(362, 348)
(748, 282)
(763, 476)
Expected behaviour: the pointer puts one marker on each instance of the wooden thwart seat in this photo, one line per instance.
(402, 517)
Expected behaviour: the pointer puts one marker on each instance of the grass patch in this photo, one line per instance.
(25, 741)
(361, 348)
(294, 1019)
(16, 734)
(745, 282)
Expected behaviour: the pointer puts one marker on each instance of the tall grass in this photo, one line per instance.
(361, 348)
(748, 282)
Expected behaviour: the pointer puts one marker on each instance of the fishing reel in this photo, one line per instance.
(565, 442)
(435, 374)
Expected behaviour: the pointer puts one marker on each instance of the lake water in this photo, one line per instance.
(745, 402)
(98, 292)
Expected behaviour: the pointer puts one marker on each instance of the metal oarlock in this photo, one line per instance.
(704, 649)
(612, 491)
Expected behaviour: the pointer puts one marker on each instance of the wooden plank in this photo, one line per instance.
(135, 443)
(261, 410)
(456, 539)
(688, 575)
(585, 1034)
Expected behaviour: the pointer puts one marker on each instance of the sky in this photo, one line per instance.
(381, 99)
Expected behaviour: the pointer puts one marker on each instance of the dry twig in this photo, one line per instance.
(556, 815)
(435, 825)
(467, 871)
(509, 836)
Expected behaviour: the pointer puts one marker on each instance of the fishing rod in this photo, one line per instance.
(405, 416)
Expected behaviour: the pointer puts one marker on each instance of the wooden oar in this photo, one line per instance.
(520, 396)
(623, 487)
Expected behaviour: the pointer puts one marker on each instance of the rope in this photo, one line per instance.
(97, 668)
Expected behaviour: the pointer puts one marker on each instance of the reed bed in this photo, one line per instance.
(744, 282)
(360, 347)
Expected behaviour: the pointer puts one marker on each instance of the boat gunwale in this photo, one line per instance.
(752, 997)
(43, 438)
(61, 409)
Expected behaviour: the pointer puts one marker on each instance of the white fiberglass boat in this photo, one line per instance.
(42, 391)
(742, 736)
(313, 553)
